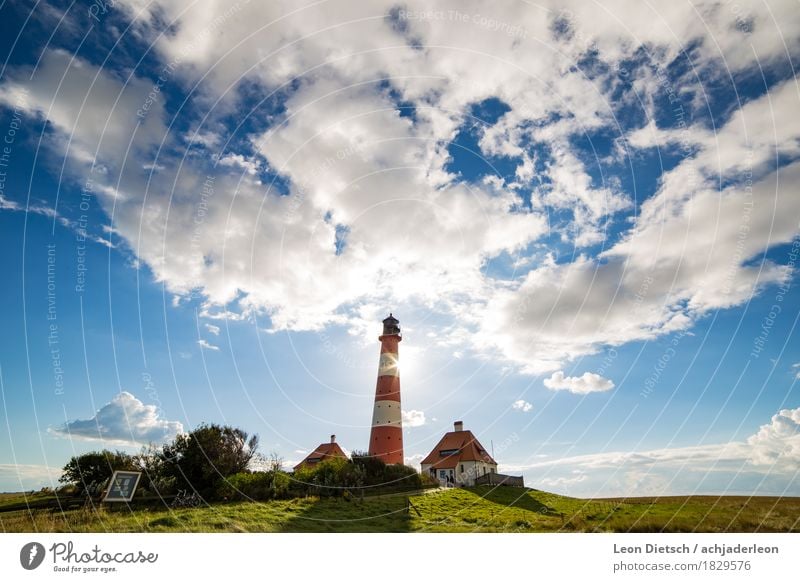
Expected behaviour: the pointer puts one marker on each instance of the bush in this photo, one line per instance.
(373, 467)
(206, 456)
(157, 477)
(302, 482)
(162, 485)
(426, 480)
(280, 485)
(67, 490)
(88, 472)
(334, 477)
(256, 486)
(376, 473)
(330, 474)
(401, 477)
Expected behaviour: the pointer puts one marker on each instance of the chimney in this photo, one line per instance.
(458, 426)
(333, 438)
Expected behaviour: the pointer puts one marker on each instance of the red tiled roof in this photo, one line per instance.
(465, 447)
(322, 453)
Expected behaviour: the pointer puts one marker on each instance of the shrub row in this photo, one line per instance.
(215, 462)
(259, 486)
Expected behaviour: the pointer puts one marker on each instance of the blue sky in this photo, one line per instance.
(585, 220)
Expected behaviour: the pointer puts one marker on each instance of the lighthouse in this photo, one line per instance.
(386, 437)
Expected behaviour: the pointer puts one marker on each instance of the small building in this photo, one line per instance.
(323, 452)
(458, 459)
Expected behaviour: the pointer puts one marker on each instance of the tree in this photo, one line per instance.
(275, 463)
(90, 470)
(272, 463)
(203, 457)
(373, 468)
(157, 476)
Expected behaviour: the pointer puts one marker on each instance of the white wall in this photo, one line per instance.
(472, 469)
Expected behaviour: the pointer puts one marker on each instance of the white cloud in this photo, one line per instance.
(412, 418)
(778, 443)
(207, 346)
(522, 405)
(6, 204)
(563, 482)
(125, 420)
(93, 112)
(589, 382)
(212, 329)
(252, 167)
(414, 460)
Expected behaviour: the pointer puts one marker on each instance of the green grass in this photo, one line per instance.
(478, 509)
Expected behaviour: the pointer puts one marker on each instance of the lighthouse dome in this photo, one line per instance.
(390, 325)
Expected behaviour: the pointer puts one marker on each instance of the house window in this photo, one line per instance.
(447, 452)
(462, 468)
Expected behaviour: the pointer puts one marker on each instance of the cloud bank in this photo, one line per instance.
(125, 420)
(768, 460)
(341, 191)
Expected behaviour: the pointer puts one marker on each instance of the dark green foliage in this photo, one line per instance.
(401, 478)
(360, 474)
(156, 476)
(90, 472)
(201, 459)
(378, 473)
(256, 486)
(281, 483)
(373, 467)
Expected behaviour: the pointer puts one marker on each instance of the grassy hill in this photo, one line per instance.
(478, 509)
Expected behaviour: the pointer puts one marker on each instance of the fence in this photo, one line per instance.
(499, 479)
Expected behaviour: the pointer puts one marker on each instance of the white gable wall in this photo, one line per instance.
(465, 472)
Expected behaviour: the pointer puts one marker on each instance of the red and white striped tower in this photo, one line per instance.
(386, 437)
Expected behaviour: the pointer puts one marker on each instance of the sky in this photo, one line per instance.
(585, 217)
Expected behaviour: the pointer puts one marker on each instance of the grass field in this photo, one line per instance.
(478, 509)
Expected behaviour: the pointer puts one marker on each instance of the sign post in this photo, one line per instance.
(122, 486)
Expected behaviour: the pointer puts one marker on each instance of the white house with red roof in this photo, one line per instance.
(458, 459)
